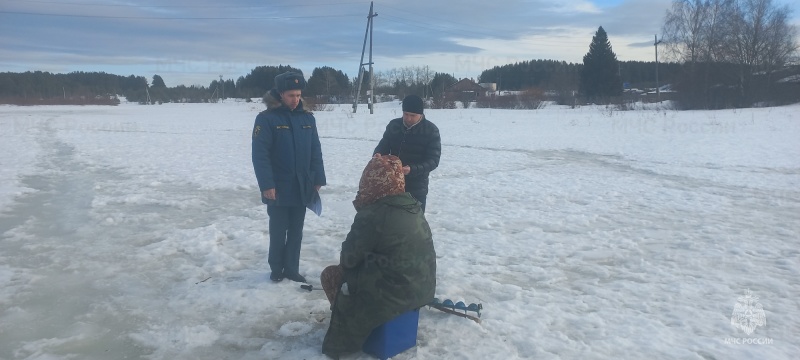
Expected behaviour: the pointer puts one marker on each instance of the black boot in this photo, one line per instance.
(276, 277)
(295, 277)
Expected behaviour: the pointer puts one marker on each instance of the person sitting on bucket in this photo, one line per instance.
(387, 265)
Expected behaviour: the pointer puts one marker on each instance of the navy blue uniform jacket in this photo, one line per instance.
(287, 155)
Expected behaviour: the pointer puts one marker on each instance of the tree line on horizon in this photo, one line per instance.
(325, 83)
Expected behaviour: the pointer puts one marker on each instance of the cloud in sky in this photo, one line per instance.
(193, 42)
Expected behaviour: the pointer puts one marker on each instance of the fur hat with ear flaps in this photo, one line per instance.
(290, 80)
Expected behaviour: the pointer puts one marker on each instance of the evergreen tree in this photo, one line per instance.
(544, 74)
(600, 74)
(158, 90)
(229, 88)
(158, 82)
(260, 80)
(327, 81)
(440, 83)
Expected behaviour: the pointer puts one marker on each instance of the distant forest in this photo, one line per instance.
(563, 76)
(97, 87)
(328, 85)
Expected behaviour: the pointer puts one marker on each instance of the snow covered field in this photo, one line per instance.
(137, 232)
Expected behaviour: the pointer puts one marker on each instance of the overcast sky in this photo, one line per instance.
(194, 42)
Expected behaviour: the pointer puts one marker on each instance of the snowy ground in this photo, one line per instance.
(137, 232)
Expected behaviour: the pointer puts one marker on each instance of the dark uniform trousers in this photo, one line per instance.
(421, 197)
(285, 237)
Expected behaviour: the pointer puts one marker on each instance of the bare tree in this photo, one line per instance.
(381, 80)
(782, 45)
(426, 77)
(761, 41)
(684, 29)
(773, 40)
(695, 30)
(717, 15)
(753, 35)
(407, 75)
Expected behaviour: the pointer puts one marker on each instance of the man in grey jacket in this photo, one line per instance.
(416, 141)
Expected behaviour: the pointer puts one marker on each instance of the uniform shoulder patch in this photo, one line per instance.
(256, 131)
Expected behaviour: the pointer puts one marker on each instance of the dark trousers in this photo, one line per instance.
(420, 196)
(285, 237)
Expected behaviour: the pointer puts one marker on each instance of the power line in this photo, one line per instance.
(192, 6)
(181, 17)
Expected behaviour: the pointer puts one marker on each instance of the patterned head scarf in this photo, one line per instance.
(382, 177)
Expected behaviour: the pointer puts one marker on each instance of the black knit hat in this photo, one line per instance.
(413, 104)
(290, 80)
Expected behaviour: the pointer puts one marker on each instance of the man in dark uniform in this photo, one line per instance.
(416, 141)
(287, 159)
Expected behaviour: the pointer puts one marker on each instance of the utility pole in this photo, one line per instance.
(658, 91)
(368, 32)
(328, 84)
(222, 84)
(371, 77)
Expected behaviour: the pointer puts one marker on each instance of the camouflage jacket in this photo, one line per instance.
(389, 266)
